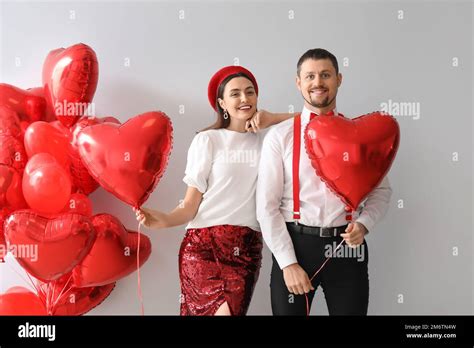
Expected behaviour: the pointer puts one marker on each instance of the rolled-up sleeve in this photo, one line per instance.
(270, 186)
(376, 205)
(199, 162)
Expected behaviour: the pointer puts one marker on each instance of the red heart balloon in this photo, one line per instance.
(82, 180)
(65, 299)
(21, 301)
(70, 77)
(9, 122)
(4, 212)
(48, 114)
(11, 193)
(45, 137)
(30, 107)
(48, 246)
(352, 156)
(46, 184)
(128, 160)
(79, 204)
(12, 152)
(113, 255)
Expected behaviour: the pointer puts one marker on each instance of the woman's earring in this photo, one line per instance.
(226, 115)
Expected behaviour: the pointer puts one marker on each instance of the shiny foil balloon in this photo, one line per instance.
(4, 212)
(48, 114)
(30, 107)
(79, 204)
(21, 301)
(352, 156)
(52, 245)
(128, 160)
(83, 182)
(46, 184)
(44, 137)
(71, 301)
(11, 192)
(9, 122)
(70, 77)
(12, 152)
(113, 255)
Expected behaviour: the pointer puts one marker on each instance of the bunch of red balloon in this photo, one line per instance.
(52, 156)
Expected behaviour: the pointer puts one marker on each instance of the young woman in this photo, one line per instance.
(220, 256)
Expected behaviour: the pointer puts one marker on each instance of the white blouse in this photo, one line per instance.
(223, 165)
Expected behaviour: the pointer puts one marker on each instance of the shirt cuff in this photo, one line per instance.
(366, 221)
(286, 258)
(201, 187)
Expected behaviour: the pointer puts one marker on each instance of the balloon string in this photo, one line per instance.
(62, 293)
(139, 285)
(22, 277)
(52, 294)
(314, 275)
(38, 288)
(349, 219)
(48, 298)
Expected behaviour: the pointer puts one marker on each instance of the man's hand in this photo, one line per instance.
(297, 280)
(355, 234)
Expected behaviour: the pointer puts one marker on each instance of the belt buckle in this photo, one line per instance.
(328, 232)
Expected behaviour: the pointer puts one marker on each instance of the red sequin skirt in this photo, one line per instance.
(219, 264)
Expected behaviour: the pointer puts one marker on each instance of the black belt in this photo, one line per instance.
(324, 232)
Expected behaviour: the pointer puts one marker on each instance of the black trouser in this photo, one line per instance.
(344, 279)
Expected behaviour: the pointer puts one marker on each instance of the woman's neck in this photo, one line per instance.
(237, 126)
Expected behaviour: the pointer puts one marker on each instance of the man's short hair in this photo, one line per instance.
(316, 54)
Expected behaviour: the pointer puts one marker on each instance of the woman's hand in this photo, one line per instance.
(260, 120)
(151, 218)
(263, 119)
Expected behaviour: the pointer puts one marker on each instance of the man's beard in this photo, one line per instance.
(326, 102)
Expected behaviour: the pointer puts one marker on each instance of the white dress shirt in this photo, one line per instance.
(319, 206)
(223, 165)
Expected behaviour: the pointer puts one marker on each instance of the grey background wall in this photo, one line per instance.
(160, 55)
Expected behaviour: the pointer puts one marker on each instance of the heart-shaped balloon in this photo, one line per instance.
(12, 152)
(128, 160)
(45, 137)
(46, 184)
(70, 77)
(83, 182)
(79, 204)
(65, 299)
(47, 247)
(113, 255)
(21, 301)
(48, 113)
(352, 156)
(9, 122)
(29, 106)
(11, 193)
(4, 212)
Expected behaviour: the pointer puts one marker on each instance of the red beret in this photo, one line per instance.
(220, 76)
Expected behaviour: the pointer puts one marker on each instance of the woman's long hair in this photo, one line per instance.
(221, 122)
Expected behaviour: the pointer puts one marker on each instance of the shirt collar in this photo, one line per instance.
(306, 112)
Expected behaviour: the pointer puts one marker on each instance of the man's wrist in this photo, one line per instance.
(290, 266)
(366, 231)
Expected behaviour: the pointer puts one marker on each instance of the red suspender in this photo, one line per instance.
(296, 166)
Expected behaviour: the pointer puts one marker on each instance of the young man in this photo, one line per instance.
(300, 241)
